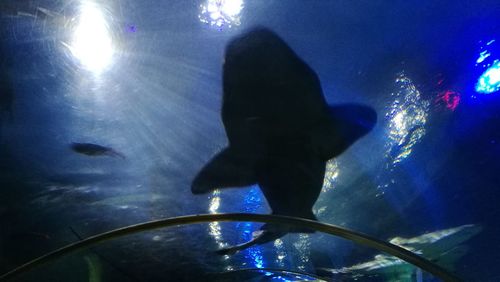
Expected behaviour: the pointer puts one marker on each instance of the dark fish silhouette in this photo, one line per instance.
(6, 94)
(90, 149)
(6, 91)
(267, 233)
(6, 87)
(280, 129)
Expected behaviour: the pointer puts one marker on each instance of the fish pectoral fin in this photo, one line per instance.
(228, 251)
(344, 125)
(226, 169)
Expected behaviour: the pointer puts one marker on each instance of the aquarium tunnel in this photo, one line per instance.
(249, 140)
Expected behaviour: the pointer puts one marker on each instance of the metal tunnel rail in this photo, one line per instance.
(356, 237)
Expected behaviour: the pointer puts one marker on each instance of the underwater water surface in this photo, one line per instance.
(109, 110)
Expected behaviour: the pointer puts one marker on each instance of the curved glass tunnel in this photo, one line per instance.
(143, 80)
(404, 266)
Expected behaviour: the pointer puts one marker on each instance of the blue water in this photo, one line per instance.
(428, 172)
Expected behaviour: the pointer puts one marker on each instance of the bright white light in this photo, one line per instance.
(214, 205)
(407, 117)
(215, 230)
(482, 56)
(398, 120)
(232, 8)
(489, 81)
(331, 175)
(92, 44)
(219, 13)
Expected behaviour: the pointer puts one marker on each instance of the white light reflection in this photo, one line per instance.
(280, 253)
(407, 117)
(331, 175)
(214, 227)
(219, 13)
(482, 56)
(92, 43)
(489, 81)
(303, 246)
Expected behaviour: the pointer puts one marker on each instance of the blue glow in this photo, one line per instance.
(490, 42)
(280, 278)
(253, 201)
(256, 255)
(489, 81)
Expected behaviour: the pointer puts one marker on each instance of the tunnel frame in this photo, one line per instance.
(356, 237)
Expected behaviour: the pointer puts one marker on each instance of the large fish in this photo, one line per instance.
(280, 129)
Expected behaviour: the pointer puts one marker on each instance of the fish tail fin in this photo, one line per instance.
(119, 155)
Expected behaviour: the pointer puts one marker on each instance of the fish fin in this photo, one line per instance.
(117, 154)
(341, 128)
(228, 251)
(226, 169)
(267, 233)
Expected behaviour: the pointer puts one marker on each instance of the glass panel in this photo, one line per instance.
(109, 110)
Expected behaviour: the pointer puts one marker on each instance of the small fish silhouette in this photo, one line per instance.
(94, 150)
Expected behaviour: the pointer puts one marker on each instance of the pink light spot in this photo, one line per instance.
(450, 98)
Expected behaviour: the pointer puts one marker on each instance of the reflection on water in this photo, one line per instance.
(219, 13)
(406, 117)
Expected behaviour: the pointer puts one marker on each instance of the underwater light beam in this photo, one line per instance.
(92, 44)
